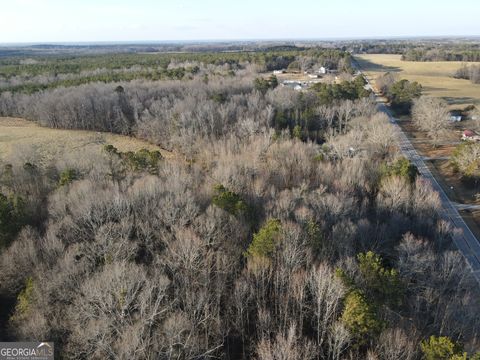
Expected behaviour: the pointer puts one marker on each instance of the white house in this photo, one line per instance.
(455, 118)
(322, 70)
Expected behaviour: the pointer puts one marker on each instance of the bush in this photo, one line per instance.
(67, 176)
(110, 149)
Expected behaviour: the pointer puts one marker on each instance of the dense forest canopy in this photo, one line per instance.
(285, 225)
(18, 74)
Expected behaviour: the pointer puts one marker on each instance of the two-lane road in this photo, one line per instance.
(462, 236)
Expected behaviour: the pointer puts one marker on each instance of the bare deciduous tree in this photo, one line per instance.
(432, 116)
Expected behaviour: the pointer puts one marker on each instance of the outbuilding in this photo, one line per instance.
(469, 135)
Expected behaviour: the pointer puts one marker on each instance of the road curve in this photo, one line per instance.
(462, 236)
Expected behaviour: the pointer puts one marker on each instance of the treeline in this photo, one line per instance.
(469, 72)
(377, 47)
(36, 74)
(420, 50)
(55, 82)
(76, 64)
(173, 114)
(441, 55)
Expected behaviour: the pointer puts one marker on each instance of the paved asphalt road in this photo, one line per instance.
(462, 236)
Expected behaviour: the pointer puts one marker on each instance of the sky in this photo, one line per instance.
(161, 20)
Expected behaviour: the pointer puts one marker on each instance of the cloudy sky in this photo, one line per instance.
(150, 20)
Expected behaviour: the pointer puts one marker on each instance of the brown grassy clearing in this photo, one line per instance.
(19, 135)
(435, 77)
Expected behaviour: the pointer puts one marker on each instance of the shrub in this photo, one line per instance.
(67, 176)
(110, 149)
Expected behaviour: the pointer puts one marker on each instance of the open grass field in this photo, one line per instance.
(18, 137)
(435, 77)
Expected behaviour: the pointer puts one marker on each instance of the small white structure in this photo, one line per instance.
(455, 118)
(322, 70)
(277, 72)
(295, 85)
(313, 76)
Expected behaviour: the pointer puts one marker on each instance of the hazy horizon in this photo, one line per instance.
(143, 21)
(219, 41)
